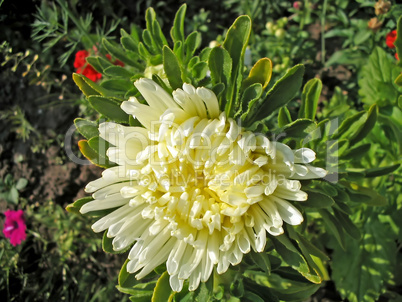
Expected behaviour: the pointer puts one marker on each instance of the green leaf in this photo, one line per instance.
(119, 86)
(317, 200)
(249, 97)
(92, 156)
(109, 108)
(356, 152)
(162, 289)
(280, 94)
(300, 128)
(398, 41)
(398, 81)
(235, 43)
(99, 145)
(347, 224)
(262, 261)
(360, 273)
(21, 184)
(118, 71)
(177, 31)
(333, 226)
(76, 205)
(376, 79)
(260, 73)
(86, 89)
(284, 117)
(125, 278)
(365, 128)
(89, 87)
(220, 65)
(193, 41)
(172, 68)
(310, 96)
(361, 194)
(87, 128)
(379, 171)
(347, 125)
(199, 70)
(120, 54)
(13, 195)
(128, 42)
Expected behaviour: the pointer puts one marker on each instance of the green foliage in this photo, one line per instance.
(9, 189)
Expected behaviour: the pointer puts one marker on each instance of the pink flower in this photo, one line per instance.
(14, 226)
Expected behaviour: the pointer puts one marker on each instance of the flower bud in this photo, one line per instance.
(280, 33)
(374, 24)
(382, 7)
(297, 5)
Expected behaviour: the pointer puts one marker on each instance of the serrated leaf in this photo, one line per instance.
(360, 273)
(172, 68)
(279, 95)
(87, 128)
(109, 108)
(310, 96)
(260, 73)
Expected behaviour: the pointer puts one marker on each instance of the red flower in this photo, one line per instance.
(90, 73)
(14, 226)
(82, 67)
(80, 58)
(390, 39)
(116, 62)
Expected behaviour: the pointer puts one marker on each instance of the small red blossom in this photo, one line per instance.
(396, 56)
(82, 67)
(116, 62)
(14, 226)
(390, 39)
(90, 73)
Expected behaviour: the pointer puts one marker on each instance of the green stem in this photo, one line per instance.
(324, 11)
(75, 20)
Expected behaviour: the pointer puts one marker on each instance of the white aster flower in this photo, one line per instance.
(192, 188)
